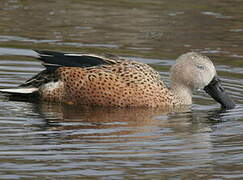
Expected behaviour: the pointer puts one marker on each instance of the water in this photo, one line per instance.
(50, 141)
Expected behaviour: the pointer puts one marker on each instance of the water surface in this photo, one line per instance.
(50, 141)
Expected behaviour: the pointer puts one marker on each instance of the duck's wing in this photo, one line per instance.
(52, 61)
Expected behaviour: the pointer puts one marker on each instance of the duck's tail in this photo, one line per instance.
(20, 90)
(29, 94)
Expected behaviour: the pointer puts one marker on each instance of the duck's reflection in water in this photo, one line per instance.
(173, 137)
(160, 132)
(106, 122)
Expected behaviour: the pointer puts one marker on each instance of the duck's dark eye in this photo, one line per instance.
(201, 67)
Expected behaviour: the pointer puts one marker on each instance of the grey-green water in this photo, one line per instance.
(49, 141)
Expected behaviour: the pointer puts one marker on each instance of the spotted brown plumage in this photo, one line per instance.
(93, 80)
(123, 83)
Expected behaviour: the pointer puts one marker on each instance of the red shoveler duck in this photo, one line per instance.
(94, 80)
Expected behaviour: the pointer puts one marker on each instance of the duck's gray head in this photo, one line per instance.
(195, 71)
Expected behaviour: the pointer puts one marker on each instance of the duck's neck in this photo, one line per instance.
(182, 93)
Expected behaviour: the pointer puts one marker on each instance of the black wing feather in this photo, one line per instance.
(52, 60)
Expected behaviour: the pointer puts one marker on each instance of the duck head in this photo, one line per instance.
(194, 71)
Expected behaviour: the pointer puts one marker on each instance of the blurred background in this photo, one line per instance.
(50, 141)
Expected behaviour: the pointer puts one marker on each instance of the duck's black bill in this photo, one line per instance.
(217, 92)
